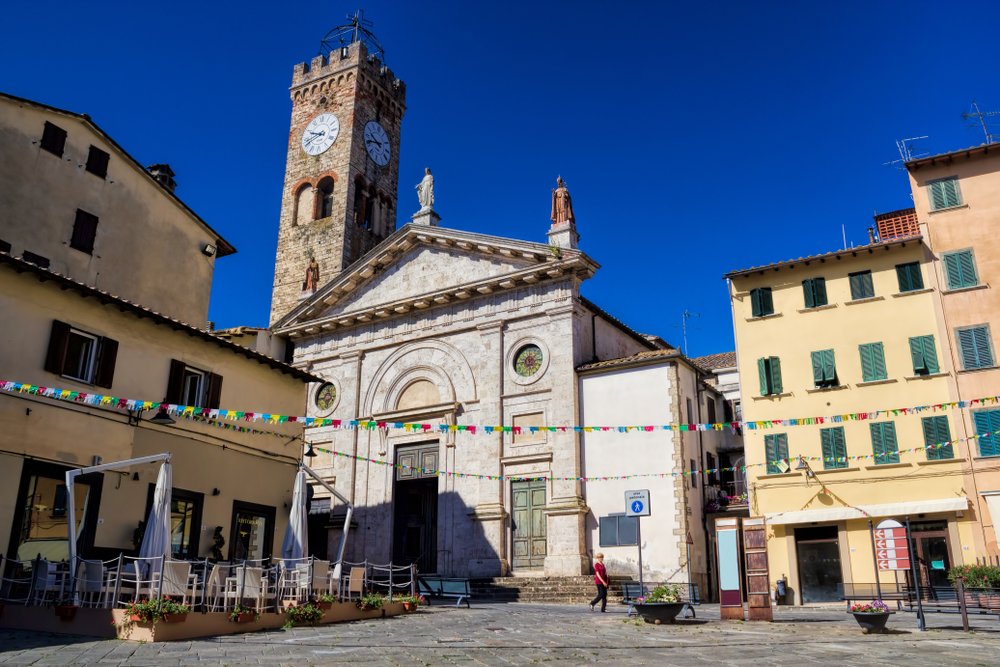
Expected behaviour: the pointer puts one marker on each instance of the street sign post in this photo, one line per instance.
(891, 549)
(637, 505)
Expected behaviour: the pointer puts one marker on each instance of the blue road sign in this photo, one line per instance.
(637, 502)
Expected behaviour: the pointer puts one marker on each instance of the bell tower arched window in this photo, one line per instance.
(324, 198)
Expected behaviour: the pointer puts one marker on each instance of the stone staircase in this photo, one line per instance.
(561, 590)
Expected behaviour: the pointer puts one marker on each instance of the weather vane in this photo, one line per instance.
(355, 30)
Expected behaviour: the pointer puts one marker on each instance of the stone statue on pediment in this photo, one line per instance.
(312, 276)
(425, 190)
(562, 204)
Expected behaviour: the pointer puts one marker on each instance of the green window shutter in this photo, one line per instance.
(819, 291)
(855, 286)
(775, 367)
(872, 362)
(809, 293)
(924, 355)
(817, 363)
(909, 277)
(936, 432)
(950, 190)
(937, 195)
(755, 302)
(766, 303)
(834, 448)
(884, 444)
(775, 449)
(763, 373)
(974, 345)
(861, 285)
(960, 269)
(987, 425)
(824, 368)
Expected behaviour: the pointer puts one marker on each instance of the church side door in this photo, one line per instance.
(529, 524)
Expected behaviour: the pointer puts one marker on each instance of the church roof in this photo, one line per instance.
(711, 362)
(538, 262)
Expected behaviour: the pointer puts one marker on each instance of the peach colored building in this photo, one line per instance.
(957, 200)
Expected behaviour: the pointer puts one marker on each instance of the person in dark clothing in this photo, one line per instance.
(601, 580)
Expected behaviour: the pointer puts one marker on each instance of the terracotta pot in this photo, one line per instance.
(324, 605)
(135, 618)
(245, 617)
(871, 622)
(66, 612)
(175, 618)
(409, 606)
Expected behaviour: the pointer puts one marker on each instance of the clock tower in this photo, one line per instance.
(342, 169)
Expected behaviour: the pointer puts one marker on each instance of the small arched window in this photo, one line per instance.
(324, 197)
(303, 204)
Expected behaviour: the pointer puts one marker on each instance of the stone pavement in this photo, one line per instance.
(537, 634)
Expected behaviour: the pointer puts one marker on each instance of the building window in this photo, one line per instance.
(618, 530)
(710, 410)
(37, 260)
(960, 269)
(884, 445)
(872, 362)
(988, 430)
(694, 474)
(761, 303)
(776, 453)
(924, 355)
(690, 411)
(80, 355)
(185, 521)
(711, 469)
(944, 193)
(861, 285)
(324, 191)
(834, 447)
(824, 369)
(769, 370)
(97, 162)
(937, 438)
(909, 277)
(4, 246)
(974, 347)
(814, 291)
(192, 386)
(84, 232)
(53, 139)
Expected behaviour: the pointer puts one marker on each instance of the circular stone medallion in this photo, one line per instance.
(528, 361)
(326, 397)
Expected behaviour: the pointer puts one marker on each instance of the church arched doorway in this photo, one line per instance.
(415, 506)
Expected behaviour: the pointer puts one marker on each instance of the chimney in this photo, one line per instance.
(871, 235)
(164, 175)
(897, 224)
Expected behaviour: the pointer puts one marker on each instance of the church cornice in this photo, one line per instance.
(550, 264)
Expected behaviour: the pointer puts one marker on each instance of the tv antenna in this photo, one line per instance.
(357, 29)
(685, 316)
(905, 149)
(981, 116)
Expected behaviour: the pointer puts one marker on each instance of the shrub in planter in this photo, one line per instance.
(976, 576)
(153, 610)
(371, 601)
(871, 616)
(243, 614)
(302, 615)
(324, 601)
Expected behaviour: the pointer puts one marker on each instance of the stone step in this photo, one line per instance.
(566, 590)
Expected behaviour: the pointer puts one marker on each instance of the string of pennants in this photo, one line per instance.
(416, 427)
(215, 417)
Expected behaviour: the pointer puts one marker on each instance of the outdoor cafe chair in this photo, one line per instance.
(214, 589)
(355, 583)
(321, 577)
(46, 582)
(248, 583)
(176, 580)
(92, 582)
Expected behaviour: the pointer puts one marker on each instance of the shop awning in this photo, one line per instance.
(895, 510)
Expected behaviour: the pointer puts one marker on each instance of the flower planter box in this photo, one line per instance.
(871, 622)
(659, 612)
(409, 606)
(175, 618)
(66, 612)
(324, 605)
(248, 617)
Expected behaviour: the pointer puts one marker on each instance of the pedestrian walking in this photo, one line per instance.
(601, 580)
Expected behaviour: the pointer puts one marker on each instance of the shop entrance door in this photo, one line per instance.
(930, 540)
(818, 554)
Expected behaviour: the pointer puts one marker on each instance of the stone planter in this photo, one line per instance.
(871, 622)
(659, 612)
(66, 611)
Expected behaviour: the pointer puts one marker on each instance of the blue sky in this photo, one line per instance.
(695, 138)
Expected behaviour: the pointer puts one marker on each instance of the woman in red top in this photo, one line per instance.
(601, 579)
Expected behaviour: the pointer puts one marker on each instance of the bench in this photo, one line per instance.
(631, 590)
(445, 587)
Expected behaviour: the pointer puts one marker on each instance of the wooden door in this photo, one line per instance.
(529, 524)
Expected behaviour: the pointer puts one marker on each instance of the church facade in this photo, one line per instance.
(428, 325)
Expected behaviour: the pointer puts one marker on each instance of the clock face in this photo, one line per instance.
(377, 143)
(320, 133)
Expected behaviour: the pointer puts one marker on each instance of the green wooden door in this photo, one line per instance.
(529, 524)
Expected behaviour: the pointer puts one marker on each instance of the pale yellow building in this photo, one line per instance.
(99, 313)
(848, 332)
(957, 200)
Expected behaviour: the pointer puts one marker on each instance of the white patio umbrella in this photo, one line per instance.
(156, 540)
(296, 542)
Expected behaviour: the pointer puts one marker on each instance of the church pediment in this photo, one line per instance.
(423, 267)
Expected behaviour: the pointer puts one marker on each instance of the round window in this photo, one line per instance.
(528, 361)
(326, 396)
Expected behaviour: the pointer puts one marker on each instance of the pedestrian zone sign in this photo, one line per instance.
(891, 549)
(637, 503)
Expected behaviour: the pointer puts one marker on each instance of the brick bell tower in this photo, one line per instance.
(342, 169)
